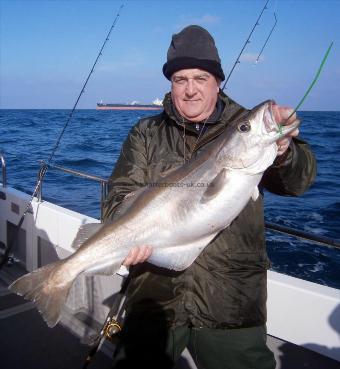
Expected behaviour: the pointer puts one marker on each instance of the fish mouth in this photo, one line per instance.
(269, 117)
(274, 129)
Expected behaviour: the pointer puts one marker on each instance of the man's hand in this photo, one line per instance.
(137, 255)
(281, 114)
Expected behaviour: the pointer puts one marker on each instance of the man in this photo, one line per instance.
(216, 307)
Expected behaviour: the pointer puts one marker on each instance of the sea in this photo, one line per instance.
(92, 142)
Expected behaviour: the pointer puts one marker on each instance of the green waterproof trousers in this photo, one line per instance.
(143, 345)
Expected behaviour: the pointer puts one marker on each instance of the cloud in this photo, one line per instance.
(208, 19)
(118, 65)
(131, 59)
(158, 29)
(250, 58)
(204, 20)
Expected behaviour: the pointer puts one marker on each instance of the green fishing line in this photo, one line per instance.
(311, 85)
(315, 78)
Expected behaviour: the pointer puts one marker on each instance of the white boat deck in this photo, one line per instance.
(27, 342)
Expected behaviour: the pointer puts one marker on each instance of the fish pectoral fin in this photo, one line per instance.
(105, 268)
(255, 194)
(216, 186)
(84, 233)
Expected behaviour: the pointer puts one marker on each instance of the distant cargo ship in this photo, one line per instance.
(156, 105)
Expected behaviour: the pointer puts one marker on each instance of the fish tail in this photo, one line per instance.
(48, 295)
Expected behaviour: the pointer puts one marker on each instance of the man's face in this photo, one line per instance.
(194, 93)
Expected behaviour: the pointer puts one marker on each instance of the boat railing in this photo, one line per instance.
(269, 226)
(3, 170)
(325, 241)
(103, 182)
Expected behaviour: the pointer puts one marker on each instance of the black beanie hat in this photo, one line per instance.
(193, 47)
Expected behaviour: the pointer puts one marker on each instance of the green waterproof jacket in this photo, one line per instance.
(226, 286)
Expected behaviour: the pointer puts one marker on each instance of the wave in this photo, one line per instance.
(84, 162)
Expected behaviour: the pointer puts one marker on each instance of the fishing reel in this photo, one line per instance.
(110, 329)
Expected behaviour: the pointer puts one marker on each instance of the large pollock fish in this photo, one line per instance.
(177, 218)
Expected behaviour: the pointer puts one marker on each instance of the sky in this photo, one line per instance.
(48, 47)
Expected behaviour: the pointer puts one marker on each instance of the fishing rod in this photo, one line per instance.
(245, 44)
(270, 33)
(43, 169)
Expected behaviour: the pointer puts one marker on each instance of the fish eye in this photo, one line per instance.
(243, 127)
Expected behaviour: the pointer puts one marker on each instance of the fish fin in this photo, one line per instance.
(255, 194)
(216, 186)
(84, 233)
(167, 172)
(107, 268)
(39, 287)
(128, 200)
(132, 194)
(179, 257)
